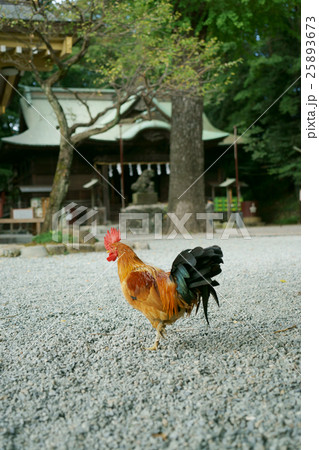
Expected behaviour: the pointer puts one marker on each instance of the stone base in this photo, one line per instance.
(83, 235)
(99, 247)
(55, 249)
(151, 210)
(77, 248)
(34, 251)
(10, 252)
(144, 198)
(253, 221)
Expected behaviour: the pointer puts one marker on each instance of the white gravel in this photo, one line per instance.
(74, 374)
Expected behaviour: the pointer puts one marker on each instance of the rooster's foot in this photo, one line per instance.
(154, 347)
(163, 333)
(160, 332)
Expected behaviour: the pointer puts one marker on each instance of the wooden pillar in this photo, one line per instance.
(106, 192)
(236, 169)
(229, 201)
(93, 197)
(213, 192)
(122, 169)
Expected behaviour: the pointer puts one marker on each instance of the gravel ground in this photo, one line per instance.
(74, 374)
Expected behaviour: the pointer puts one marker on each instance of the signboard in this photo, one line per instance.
(22, 213)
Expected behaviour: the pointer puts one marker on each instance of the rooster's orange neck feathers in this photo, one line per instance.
(127, 260)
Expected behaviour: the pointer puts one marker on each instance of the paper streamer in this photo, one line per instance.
(110, 171)
(159, 171)
(139, 169)
(168, 171)
(130, 168)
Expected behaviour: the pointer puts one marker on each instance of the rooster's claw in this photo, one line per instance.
(152, 348)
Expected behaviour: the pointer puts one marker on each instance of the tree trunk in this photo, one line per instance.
(62, 173)
(60, 182)
(187, 160)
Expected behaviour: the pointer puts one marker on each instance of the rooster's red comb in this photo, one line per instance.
(111, 237)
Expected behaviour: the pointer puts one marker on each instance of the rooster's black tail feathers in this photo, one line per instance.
(193, 270)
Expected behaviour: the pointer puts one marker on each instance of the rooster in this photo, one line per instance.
(163, 297)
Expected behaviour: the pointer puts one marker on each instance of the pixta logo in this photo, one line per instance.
(67, 221)
(145, 224)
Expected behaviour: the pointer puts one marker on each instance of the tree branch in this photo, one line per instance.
(76, 138)
(100, 114)
(84, 103)
(57, 108)
(52, 53)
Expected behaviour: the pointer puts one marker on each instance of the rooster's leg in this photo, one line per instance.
(160, 330)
